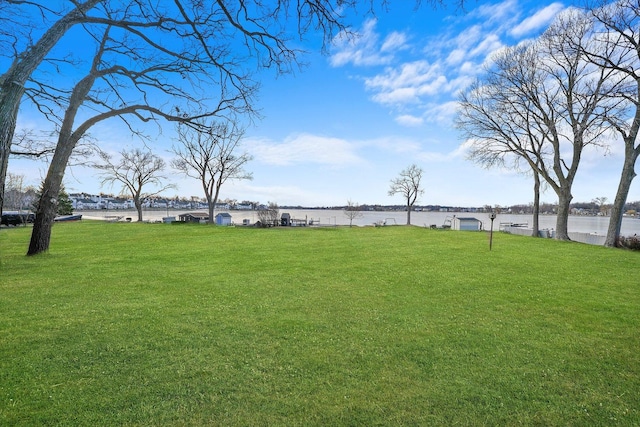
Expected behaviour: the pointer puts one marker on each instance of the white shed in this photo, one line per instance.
(467, 224)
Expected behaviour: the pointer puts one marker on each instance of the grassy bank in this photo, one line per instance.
(154, 324)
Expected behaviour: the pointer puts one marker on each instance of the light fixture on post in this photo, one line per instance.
(492, 216)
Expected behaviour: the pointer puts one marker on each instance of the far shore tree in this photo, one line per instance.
(14, 195)
(407, 184)
(269, 215)
(601, 204)
(352, 211)
(211, 156)
(18, 196)
(135, 170)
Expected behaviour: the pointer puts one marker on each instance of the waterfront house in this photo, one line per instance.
(85, 204)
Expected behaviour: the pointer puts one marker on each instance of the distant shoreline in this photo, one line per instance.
(577, 223)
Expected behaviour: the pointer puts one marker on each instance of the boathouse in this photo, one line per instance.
(194, 217)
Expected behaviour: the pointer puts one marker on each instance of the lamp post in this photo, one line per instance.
(492, 216)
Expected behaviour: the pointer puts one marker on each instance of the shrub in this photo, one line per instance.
(631, 242)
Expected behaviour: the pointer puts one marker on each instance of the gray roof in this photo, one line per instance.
(196, 214)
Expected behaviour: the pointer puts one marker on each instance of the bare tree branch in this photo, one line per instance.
(135, 170)
(542, 103)
(408, 185)
(211, 157)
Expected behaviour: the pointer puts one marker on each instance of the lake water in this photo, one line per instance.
(581, 224)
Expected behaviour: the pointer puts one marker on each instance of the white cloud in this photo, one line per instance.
(439, 157)
(469, 37)
(364, 48)
(442, 113)
(407, 83)
(424, 89)
(395, 144)
(489, 44)
(469, 68)
(540, 19)
(402, 95)
(456, 56)
(305, 148)
(496, 12)
(394, 42)
(409, 120)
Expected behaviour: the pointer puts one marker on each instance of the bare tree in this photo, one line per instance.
(551, 104)
(15, 191)
(601, 204)
(18, 196)
(134, 170)
(69, 134)
(202, 36)
(199, 41)
(352, 211)
(407, 184)
(500, 123)
(25, 62)
(619, 34)
(582, 102)
(175, 75)
(28, 143)
(270, 215)
(211, 157)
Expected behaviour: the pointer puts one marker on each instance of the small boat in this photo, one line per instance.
(68, 218)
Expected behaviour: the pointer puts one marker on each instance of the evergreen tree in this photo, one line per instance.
(65, 206)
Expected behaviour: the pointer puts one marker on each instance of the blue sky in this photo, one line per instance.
(341, 128)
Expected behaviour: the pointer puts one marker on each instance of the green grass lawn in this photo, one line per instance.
(156, 324)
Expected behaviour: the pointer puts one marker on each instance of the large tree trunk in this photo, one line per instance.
(45, 214)
(562, 222)
(13, 81)
(536, 204)
(408, 214)
(138, 203)
(213, 200)
(626, 178)
(212, 208)
(67, 140)
(10, 94)
(48, 205)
